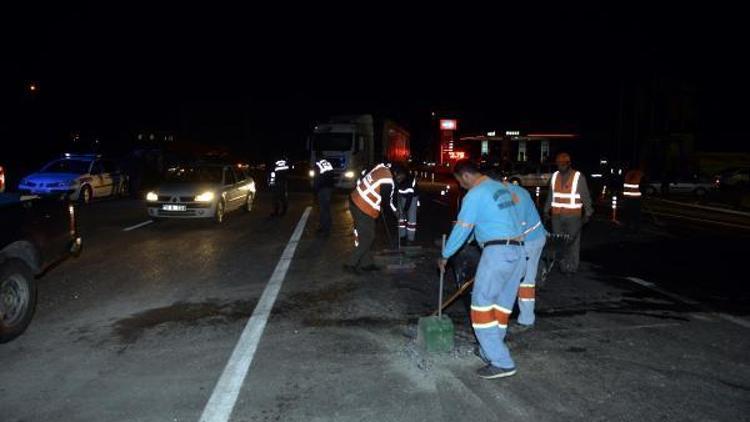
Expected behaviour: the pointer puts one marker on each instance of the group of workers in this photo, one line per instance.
(501, 217)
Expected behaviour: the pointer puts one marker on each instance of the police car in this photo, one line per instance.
(80, 177)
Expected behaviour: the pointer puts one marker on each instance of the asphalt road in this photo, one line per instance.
(142, 326)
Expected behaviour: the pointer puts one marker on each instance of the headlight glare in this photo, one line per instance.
(152, 197)
(205, 197)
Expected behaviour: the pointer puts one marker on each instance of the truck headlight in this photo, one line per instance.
(205, 197)
(311, 173)
(349, 174)
(152, 197)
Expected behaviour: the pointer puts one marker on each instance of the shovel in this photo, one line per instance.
(435, 333)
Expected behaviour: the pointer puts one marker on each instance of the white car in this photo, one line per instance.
(532, 175)
(80, 177)
(202, 191)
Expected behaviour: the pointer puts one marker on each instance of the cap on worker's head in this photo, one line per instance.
(562, 158)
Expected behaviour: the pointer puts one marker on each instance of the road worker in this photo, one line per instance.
(277, 181)
(408, 205)
(373, 189)
(323, 184)
(569, 206)
(491, 214)
(632, 195)
(535, 236)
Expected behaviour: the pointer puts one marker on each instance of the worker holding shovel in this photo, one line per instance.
(490, 212)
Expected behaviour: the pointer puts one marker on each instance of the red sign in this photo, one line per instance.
(448, 124)
(457, 155)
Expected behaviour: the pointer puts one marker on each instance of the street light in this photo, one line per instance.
(32, 87)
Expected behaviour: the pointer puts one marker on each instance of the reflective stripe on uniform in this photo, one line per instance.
(566, 200)
(526, 292)
(631, 185)
(489, 317)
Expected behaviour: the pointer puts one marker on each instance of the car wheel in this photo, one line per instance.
(250, 202)
(701, 192)
(85, 195)
(220, 211)
(17, 299)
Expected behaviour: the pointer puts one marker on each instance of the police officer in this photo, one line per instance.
(323, 184)
(408, 205)
(277, 181)
(490, 212)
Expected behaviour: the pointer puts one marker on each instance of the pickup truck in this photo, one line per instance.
(34, 234)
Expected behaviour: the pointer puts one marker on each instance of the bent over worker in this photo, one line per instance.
(408, 205)
(569, 205)
(489, 212)
(372, 190)
(535, 236)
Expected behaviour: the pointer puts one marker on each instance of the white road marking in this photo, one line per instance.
(221, 404)
(733, 319)
(137, 226)
(701, 220)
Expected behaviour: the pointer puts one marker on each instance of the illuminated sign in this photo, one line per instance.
(492, 133)
(512, 133)
(448, 124)
(457, 155)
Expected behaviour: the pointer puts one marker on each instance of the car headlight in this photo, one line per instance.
(152, 197)
(205, 197)
(311, 173)
(349, 174)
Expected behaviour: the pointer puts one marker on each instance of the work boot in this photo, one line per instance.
(370, 268)
(518, 328)
(490, 372)
(350, 269)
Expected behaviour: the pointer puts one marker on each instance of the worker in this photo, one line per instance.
(490, 213)
(535, 237)
(323, 184)
(277, 181)
(408, 205)
(631, 193)
(569, 206)
(372, 190)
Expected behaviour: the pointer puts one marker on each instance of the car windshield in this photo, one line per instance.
(195, 174)
(332, 141)
(67, 166)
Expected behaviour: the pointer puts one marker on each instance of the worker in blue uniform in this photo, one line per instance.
(535, 236)
(490, 212)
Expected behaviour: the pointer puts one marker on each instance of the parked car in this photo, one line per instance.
(694, 185)
(202, 191)
(531, 175)
(81, 177)
(34, 233)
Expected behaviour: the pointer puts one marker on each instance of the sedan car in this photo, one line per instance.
(81, 177)
(202, 191)
(531, 175)
(694, 185)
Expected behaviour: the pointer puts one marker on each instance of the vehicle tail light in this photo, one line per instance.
(2, 179)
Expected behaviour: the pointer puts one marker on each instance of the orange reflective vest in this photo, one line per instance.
(631, 188)
(566, 200)
(366, 196)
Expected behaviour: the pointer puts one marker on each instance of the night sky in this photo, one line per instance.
(256, 79)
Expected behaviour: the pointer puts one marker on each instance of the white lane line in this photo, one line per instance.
(701, 220)
(137, 226)
(733, 319)
(221, 404)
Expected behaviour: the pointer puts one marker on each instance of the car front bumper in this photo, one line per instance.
(192, 210)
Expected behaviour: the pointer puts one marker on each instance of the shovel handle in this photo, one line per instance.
(440, 293)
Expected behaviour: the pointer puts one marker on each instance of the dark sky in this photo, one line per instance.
(259, 75)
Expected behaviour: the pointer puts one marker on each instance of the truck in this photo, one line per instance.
(357, 142)
(35, 233)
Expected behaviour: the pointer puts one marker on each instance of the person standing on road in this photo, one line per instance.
(323, 184)
(490, 213)
(535, 237)
(372, 190)
(277, 181)
(632, 196)
(408, 205)
(569, 206)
